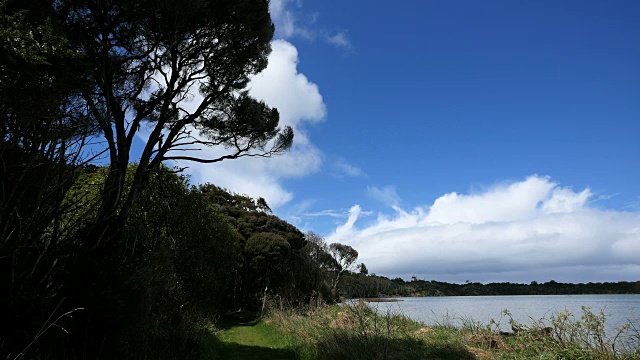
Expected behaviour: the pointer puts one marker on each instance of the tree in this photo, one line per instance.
(362, 269)
(344, 256)
(319, 252)
(151, 59)
(42, 126)
(268, 257)
(43, 130)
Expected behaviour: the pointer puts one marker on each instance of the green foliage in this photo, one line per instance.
(276, 254)
(359, 285)
(268, 254)
(344, 255)
(362, 269)
(567, 336)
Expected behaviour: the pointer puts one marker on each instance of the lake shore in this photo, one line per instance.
(356, 331)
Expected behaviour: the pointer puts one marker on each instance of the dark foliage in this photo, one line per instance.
(357, 285)
(277, 257)
(90, 256)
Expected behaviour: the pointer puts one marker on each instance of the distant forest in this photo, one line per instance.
(361, 285)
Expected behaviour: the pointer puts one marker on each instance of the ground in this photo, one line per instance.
(245, 336)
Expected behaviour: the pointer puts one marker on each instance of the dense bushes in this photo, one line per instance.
(184, 257)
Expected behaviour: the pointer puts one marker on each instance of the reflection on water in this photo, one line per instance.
(619, 309)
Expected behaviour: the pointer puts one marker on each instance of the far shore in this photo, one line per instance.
(379, 300)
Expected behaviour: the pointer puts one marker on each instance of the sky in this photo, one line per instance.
(457, 140)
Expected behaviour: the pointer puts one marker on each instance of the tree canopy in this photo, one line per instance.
(171, 72)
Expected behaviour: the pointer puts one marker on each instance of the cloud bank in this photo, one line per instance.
(528, 230)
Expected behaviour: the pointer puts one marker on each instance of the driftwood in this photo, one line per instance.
(545, 331)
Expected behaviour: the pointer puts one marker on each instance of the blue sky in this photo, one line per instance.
(526, 110)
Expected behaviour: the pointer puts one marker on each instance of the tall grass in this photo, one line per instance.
(357, 331)
(360, 332)
(569, 336)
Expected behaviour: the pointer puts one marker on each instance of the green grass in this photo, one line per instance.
(244, 336)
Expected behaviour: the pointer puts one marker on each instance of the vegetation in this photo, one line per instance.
(128, 258)
(360, 286)
(104, 258)
(360, 332)
(185, 257)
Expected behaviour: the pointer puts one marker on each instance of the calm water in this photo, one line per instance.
(619, 309)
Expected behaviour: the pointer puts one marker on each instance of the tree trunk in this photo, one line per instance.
(264, 298)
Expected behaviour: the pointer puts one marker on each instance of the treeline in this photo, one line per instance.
(360, 285)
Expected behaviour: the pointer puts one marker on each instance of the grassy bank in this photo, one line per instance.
(358, 332)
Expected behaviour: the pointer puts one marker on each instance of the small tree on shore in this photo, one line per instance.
(345, 256)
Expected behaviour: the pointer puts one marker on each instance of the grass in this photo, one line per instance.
(358, 332)
(245, 336)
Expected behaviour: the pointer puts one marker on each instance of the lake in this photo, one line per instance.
(619, 309)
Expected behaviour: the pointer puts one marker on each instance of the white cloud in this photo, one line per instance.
(299, 102)
(340, 39)
(286, 15)
(343, 168)
(386, 195)
(283, 18)
(633, 205)
(329, 213)
(347, 227)
(528, 230)
(282, 86)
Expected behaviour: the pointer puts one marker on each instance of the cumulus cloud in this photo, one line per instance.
(299, 102)
(532, 229)
(282, 86)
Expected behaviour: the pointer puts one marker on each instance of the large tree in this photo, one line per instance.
(176, 70)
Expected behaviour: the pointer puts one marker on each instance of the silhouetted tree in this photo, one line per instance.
(177, 70)
(43, 130)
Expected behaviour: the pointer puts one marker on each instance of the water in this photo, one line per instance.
(619, 309)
